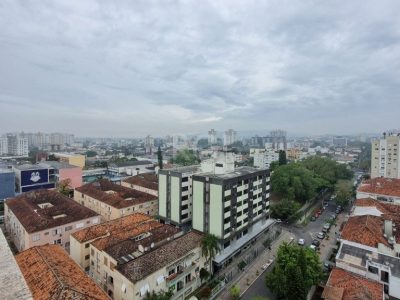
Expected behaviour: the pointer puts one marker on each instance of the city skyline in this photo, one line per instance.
(104, 69)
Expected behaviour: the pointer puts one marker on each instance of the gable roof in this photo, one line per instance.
(366, 230)
(351, 287)
(120, 197)
(146, 180)
(381, 186)
(51, 274)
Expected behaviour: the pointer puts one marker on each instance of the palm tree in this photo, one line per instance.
(209, 248)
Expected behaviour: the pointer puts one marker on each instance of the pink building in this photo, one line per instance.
(45, 217)
(63, 171)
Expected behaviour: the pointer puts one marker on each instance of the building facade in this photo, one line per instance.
(7, 183)
(212, 137)
(45, 217)
(146, 183)
(78, 160)
(113, 201)
(385, 157)
(229, 137)
(32, 177)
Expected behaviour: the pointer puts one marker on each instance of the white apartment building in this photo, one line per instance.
(212, 137)
(264, 157)
(229, 137)
(17, 145)
(385, 157)
(3, 146)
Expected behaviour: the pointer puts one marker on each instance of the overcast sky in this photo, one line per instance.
(156, 67)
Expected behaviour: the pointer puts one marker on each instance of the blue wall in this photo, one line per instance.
(7, 185)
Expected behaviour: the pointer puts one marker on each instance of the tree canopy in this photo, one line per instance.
(295, 271)
(209, 248)
(186, 158)
(284, 209)
(282, 157)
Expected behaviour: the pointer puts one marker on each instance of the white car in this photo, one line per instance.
(313, 247)
(301, 242)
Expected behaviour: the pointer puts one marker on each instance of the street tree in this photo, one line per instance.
(295, 271)
(160, 158)
(209, 248)
(235, 292)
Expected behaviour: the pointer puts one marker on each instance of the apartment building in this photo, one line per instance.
(81, 240)
(17, 145)
(12, 283)
(370, 244)
(3, 146)
(30, 177)
(383, 189)
(343, 285)
(385, 156)
(264, 157)
(7, 183)
(212, 137)
(113, 201)
(51, 274)
(146, 183)
(175, 265)
(45, 217)
(175, 194)
(234, 206)
(229, 137)
(74, 159)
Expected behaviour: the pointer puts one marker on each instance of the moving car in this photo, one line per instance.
(301, 242)
(321, 235)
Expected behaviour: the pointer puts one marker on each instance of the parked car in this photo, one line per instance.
(313, 218)
(278, 220)
(327, 226)
(328, 266)
(333, 216)
(301, 242)
(316, 243)
(326, 204)
(313, 247)
(321, 235)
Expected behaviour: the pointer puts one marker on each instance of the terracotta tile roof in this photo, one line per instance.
(119, 197)
(366, 230)
(389, 211)
(155, 237)
(161, 257)
(354, 287)
(128, 232)
(33, 218)
(51, 274)
(381, 186)
(110, 227)
(146, 180)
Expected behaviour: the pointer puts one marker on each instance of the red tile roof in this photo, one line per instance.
(381, 186)
(110, 227)
(351, 287)
(51, 274)
(34, 218)
(366, 230)
(146, 180)
(120, 197)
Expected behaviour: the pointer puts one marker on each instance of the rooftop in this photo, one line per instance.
(41, 209)
(3, 170)
(131, 163)
(114, 195)
(381, 186)
(343, 285)
(146, 180)
(161, 257)
(366, 230)
(12, 282)
(59, 165)
(110, 227)
(51, 274)
(27, 167)
(241, 171)
(183, 169)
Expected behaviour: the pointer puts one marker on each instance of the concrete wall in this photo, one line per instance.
(216, 211)
(198, 206)
(175, 199)
(162, 195)
(73, 174)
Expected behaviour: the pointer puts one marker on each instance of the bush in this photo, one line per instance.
(242, 265)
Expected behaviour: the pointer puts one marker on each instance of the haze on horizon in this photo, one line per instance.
(131, 68)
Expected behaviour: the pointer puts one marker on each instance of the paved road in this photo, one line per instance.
(307, 232)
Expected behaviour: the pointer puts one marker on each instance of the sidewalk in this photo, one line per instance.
(254, 270)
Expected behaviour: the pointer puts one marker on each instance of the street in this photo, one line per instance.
(307, 233)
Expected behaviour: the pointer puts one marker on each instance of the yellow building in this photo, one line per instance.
(72, 159)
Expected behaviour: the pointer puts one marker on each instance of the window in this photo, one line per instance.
(66, 245)
(228, 198)
(56, 231)
(105, 261)
(226, 231)
(172, 271)
(36, 237)
(184, 216)
(239, 224)
(79, 225)
(219, 165)
(87, 245)
(185, 179)
(239, 213)
(226, 220)
(227, 244)
(185, 188)
(188, 278)
(57, 242)
(87, 257)
(68, 228)
(179, 285)
(239, 193)
(92, 252)
(184, 198)
(46, 233)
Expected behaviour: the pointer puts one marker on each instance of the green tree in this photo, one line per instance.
(160, 158)
(64, 187)
(343, 192)
(282, 157)
(273, 165)
(91, 153)
(296, 270)
(285, 209)
(259, 298)
(235, 292)
(204, 274)
(186, 158)
(209, 248)
(162, 295)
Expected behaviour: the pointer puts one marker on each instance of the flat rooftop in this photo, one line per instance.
(114, 195)
(52, 274)
(131, 163)
(12, 282)
(183, 169)
(59, 165)
(241, 171)
(43, 209)
(28, 167)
